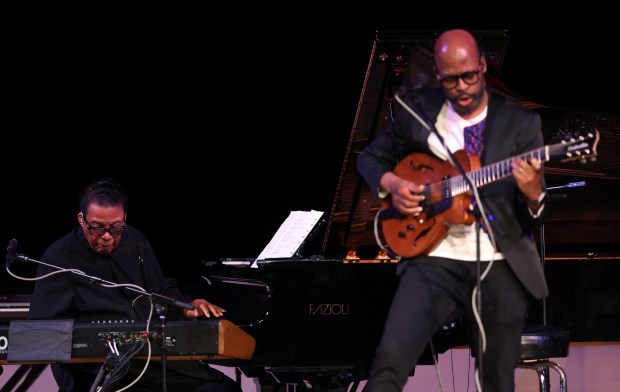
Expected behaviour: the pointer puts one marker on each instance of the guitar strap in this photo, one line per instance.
(474, 137)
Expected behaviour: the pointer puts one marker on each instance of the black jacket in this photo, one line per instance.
(510, 130)
(72, 296)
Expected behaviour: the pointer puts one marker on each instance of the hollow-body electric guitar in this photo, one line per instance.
(448, 195)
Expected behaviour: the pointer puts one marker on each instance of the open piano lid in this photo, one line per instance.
(584, 211)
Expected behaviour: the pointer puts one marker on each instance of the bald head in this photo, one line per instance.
(454, 47)
(460, 68)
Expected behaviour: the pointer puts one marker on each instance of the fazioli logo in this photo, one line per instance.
(4, 343)
(329, 309)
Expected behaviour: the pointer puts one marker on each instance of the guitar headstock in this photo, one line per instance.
(579, 147)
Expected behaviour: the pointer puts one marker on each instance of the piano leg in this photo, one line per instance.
(307, 387)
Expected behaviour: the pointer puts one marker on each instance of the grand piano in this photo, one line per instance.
(317, 317)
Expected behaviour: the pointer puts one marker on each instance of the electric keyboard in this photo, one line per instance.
(183, 340)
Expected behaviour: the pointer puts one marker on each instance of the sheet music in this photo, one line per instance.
(291, 234)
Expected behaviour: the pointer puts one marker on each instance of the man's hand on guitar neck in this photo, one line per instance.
(529, 179)
(406, 196)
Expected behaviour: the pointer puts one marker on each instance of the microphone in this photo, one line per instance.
(12, 255)
(11, 252)
(415, 83)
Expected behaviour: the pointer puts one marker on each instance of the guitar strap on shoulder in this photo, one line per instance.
(474, 143)
(474, 138)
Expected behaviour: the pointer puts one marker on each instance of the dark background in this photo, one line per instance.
(219, 123)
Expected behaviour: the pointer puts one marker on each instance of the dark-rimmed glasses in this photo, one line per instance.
(100, 231)
(469, 77)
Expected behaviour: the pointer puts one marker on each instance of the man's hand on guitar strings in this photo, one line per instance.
(528, 177)
(406, 196)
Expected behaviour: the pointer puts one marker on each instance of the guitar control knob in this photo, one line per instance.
(410, 227)
(402, 234)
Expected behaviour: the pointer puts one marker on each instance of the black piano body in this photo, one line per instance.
(318, 319)
(314, 320)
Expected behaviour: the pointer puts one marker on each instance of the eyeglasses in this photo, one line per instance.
(100, 231)
(470, 77)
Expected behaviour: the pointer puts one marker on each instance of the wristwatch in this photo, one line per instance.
(539, 202)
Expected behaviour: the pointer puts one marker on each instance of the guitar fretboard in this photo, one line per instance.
(576, 148)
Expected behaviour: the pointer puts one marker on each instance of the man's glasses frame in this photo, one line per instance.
(114, 231)
(469, 77)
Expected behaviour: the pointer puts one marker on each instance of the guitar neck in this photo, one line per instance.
(577, 148)
(493, 172)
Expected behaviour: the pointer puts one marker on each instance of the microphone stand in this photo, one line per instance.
(477, 216)
(543, 255)
(155, 297)
(160, 300)
(426, 123)
(161, 311)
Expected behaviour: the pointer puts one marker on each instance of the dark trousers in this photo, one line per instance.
(191, 376)
(434, 291)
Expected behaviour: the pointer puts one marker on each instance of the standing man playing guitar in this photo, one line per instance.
(439, 285)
